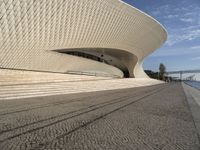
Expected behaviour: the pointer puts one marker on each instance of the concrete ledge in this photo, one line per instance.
(193, 98)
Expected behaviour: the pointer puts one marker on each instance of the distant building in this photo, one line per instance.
(98, 37)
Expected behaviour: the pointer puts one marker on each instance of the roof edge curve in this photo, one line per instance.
(144, 13)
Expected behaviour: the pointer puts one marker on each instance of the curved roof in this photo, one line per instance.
(145, 15)
(31, 29)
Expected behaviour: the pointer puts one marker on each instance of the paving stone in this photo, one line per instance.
(147, 118)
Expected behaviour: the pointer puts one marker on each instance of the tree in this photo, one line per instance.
(162, 71)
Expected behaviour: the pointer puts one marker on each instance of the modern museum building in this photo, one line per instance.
(96, 37)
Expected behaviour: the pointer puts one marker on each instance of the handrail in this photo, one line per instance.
(92, 74)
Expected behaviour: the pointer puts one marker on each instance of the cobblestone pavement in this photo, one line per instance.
(145, 118)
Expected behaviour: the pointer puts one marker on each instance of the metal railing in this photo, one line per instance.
(98, 74)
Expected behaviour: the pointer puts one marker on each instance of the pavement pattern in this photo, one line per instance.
(144, 118)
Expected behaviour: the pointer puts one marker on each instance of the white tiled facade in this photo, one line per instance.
(31, 29)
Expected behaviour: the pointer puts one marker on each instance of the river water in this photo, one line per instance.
(195, 84)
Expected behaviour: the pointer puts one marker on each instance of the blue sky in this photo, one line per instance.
(181, 18)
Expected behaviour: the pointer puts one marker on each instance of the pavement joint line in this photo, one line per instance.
(110, 101)
(65, 114)
(55, 92)
(54, 103)
(32, 130)
(96, 119)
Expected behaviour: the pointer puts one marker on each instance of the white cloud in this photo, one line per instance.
(160, 10)
(171, 16)
(196, 58)
(190, 20)
(166, 51)
(189, 14)
(196, 47)
(180, 35)
(187, 21)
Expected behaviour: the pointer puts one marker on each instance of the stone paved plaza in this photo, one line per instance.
(143, 118)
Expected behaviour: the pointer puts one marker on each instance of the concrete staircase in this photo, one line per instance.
(15, 77)
(15, 84)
